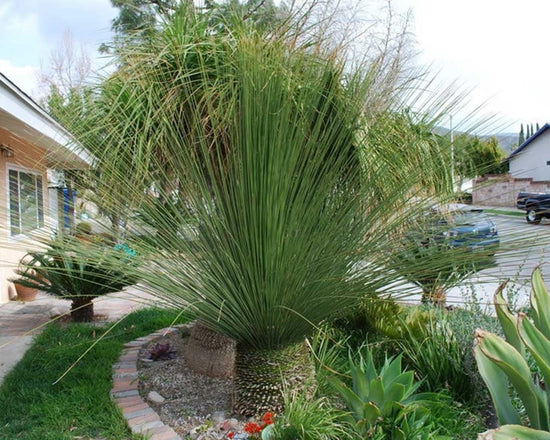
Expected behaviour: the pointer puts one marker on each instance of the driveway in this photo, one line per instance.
(523, 247)
(20, 321)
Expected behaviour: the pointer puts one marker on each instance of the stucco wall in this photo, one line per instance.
(26, 158)
(499, 190)
(533, 161)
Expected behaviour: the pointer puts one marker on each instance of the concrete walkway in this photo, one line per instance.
(21, 321)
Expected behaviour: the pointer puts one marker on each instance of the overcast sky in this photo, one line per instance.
(496, 48)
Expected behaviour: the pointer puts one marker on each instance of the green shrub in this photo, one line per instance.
(310, 419)
(438, 358)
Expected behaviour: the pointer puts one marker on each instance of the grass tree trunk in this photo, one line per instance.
(261, 377)
(210, 353)
(82, 309)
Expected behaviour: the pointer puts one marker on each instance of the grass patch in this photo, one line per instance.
(505, 212)
(79, 406)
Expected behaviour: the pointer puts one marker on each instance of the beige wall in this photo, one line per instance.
(502, 190)
(26, 157)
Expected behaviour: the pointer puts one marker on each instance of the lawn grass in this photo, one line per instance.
(79, 406)
(504, 212)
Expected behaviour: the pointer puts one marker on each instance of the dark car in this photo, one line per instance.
(535, 205)
(469, 228)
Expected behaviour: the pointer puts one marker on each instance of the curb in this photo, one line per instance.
(141, 418)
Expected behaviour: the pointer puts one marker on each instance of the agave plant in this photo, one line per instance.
(386, 397)
(504, 362)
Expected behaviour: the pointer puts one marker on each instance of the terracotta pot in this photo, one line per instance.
(25, 293)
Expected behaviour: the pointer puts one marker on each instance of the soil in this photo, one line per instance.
(195, 406)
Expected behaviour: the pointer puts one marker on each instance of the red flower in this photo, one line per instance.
(268, 418)
(252, 428)
(230, 434)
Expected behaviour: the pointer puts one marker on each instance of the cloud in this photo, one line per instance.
(23, 77)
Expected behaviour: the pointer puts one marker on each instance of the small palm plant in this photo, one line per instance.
(78, 271)
(424, 257)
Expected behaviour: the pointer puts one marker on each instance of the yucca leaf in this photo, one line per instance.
(496, 382)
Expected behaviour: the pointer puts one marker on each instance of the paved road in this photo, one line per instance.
(523, 247)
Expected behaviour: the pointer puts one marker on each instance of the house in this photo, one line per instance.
(31, 142)
(531, 160)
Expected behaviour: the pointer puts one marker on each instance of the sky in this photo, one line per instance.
(493, 48)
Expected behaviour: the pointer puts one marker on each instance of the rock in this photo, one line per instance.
(55, 312)
(218, 416)
(155, 397)
(230, 425)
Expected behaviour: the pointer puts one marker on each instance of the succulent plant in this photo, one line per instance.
(503, 362)
(161, 352)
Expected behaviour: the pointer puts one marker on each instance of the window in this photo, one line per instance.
(26, 203)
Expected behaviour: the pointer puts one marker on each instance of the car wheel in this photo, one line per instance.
(533, 217)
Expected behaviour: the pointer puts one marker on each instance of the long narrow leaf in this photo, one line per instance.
(496, 382)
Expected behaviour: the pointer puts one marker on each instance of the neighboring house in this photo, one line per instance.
(30, 143)
(531, 160)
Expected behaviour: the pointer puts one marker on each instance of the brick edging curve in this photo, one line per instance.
(141, 418)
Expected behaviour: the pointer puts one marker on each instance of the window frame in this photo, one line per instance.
(39, 200)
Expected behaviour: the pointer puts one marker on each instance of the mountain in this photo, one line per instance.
(507, 141)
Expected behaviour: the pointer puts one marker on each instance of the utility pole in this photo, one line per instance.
(452, 155)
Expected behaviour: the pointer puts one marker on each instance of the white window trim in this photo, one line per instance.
(18, 168)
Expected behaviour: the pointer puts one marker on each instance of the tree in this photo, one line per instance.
(476, 157)
(521, 138)
(265, 137)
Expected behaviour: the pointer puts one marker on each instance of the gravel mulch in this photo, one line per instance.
(195, 406)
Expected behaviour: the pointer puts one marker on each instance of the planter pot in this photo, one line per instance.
(25, 293)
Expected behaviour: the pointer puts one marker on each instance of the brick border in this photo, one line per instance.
(141, 418)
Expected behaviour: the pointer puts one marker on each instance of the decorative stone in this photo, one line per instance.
(155, 397)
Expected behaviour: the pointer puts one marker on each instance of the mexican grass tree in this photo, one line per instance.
(286, 213)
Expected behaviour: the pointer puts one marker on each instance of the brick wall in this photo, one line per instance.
(502, 190)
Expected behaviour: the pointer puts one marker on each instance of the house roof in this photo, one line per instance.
(22, 116)
(528, 141)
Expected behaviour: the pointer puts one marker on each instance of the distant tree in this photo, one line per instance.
(476, 157)
(138, 20)
(532, 131)
(521, 138)
(538, 127)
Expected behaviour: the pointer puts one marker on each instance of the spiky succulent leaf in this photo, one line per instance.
(540, 303)
(514, 432)
(507, 319)
(510, 362)
(497, 383)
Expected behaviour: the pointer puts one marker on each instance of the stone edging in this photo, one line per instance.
(141, 418)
